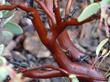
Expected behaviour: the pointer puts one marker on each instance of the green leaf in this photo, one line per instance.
(108, 21)
(73, 78)
(100, 46)
(89, 11)
(14, 28)
(4, 72)
(7, 4)
(92, 1)
(1, 48)
(3, 61)
(7, 35)
(2, 2)
(6, 13)
(109, 80)
(105, 1)
(7, 19)
(1, 14)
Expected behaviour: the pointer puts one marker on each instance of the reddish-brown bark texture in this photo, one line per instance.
(56, 40)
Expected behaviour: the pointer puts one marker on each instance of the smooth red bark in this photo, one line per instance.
(49, 39)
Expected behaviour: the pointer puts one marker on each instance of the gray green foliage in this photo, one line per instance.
(73, 78)
(13, 27)
(92, 1)
(1, 48)
(89, 11)
(7, 35)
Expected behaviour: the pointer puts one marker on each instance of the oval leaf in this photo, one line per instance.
(1, 14)
(1, 48)
(105, 1)
(108, 20)
(7, 4)
(2, 2)
(7, 19)
(104, 52)
(4, 72)
(92, 1)
(3, 61)
(7, 13)
(73, 78)
(14, 28)
(7, 35)
(89, 11)
(99, 47)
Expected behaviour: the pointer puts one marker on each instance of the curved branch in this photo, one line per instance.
(64, 39)
(21, 6)
(49, 4)
(37, 22)
(72, 21)
(68, 7)
(39, 26)
(75, 53)
(48, 13)
(51, 18)
(44, 74)
(7, 7)
(62, 60)
(75, 68)
(57, 11)
(52, 67)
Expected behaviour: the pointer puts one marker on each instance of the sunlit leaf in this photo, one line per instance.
(7, 4)
(108, 21)
(92, 1)
(104, 52)
(100, 46)
(107, 54)
(103, 58)
(105, 1)
(7, 13)
(1, 14)
(73, 78)
(7, 19)
(17, 78)
(89, 11)
(4, 72)
(13, 27)
(7, 35)
(3, 61)
(2, 2)
(1, 48)
(108, 75)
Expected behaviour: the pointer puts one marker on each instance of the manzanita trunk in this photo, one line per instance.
(55, 42)
(69, 47)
